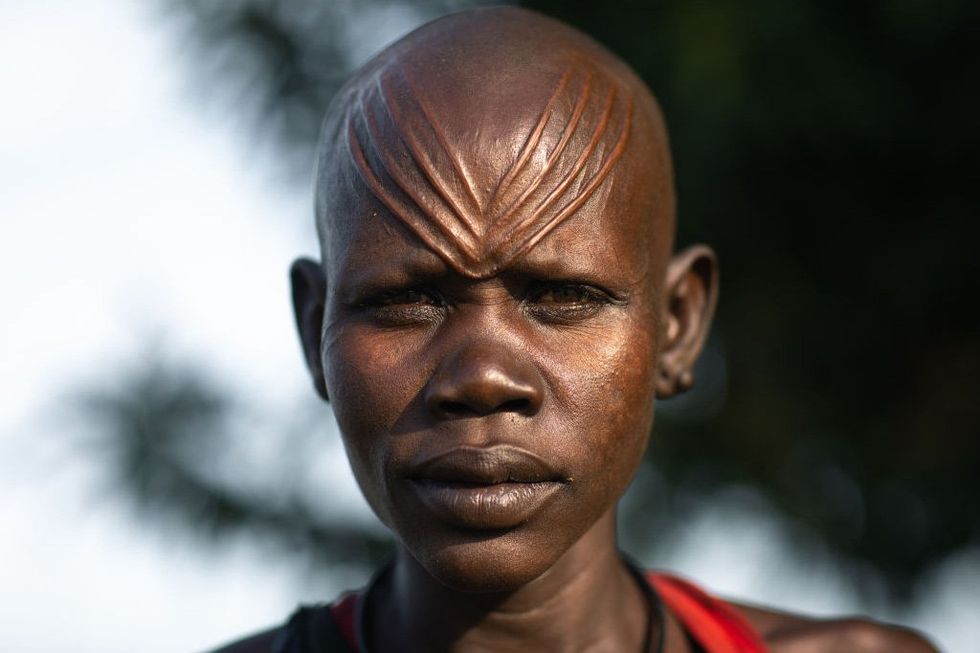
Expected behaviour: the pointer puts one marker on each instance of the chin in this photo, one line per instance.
(485, 563)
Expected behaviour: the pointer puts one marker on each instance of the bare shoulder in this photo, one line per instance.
(258, 643)
(791, 633)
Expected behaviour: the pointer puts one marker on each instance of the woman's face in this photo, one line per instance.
(491, 421)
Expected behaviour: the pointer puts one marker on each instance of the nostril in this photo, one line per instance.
(470, 409)
(455, 408)
(515, 406)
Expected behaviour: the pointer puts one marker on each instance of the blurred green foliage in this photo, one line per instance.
(830, 152)
(168, 433)
(827, 149)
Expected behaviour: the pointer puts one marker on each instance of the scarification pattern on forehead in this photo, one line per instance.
(478, 226)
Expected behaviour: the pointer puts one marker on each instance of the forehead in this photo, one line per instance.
(482, 197)
(596, 244)
(481, 135)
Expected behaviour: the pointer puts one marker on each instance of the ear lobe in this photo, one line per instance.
(309, 285)
(690, 296)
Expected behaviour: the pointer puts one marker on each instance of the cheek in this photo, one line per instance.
(372, 379)
(360, 373)
(604, 383)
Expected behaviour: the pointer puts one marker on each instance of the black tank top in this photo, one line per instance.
(312, 629)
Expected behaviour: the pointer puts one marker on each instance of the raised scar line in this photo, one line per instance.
(422, 160)
(394, 205)
(597, 135)
(457, 164)
(534, 137)
(567, 133)
(594, 182)
(436, 211)
(354, 148)
(409, 189)
(600, 130)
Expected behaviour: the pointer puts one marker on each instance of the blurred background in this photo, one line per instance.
(167, 479)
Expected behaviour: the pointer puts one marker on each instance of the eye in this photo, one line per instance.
(566, 302)
(404, 306)
(407, 296)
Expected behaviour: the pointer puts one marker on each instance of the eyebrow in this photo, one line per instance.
(406, 160)
(402, 267)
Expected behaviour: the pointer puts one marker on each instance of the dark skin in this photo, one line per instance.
(496, 310)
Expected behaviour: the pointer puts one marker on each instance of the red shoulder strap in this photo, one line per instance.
(343, 611)
(714, 624)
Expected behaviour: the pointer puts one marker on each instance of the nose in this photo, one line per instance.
(481, 380)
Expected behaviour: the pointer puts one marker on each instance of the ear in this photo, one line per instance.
(690, 295)
(309, 285)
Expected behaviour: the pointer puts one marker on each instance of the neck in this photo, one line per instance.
(587, 600)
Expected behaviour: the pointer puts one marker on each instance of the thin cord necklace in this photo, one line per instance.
(656, 615)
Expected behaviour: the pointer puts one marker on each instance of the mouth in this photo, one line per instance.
(491, 488)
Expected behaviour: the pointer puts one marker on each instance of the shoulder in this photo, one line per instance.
(258, 643)
(784, 632)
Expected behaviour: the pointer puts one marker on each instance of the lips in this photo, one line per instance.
(490, 488)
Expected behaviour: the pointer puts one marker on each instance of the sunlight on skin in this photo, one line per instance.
(120, 583)
(493, 359)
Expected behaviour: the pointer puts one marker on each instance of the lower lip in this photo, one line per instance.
(485, 507)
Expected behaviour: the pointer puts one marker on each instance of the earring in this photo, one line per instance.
(685, 381)
(670, 383)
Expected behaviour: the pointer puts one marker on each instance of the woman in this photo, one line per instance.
(496, 309)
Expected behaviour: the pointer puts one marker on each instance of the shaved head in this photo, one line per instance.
(482, 132)
(495, 209)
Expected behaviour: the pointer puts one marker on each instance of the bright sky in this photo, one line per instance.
(125, 212)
